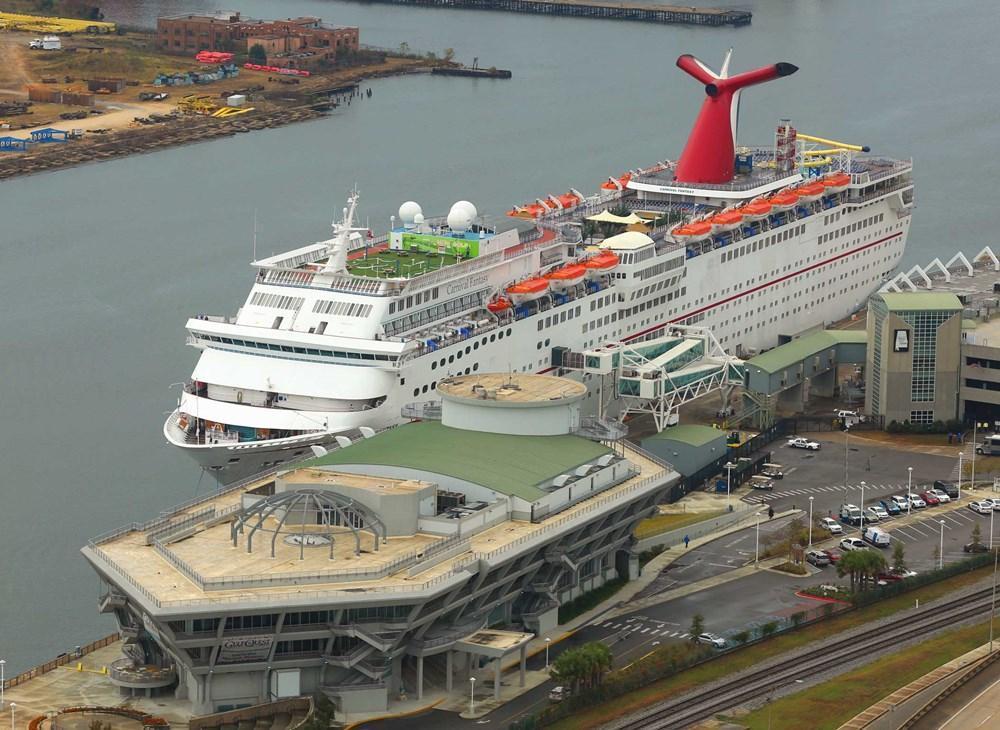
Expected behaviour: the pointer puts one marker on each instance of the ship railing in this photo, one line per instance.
(899, 185)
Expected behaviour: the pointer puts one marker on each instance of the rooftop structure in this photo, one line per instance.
(346, 573)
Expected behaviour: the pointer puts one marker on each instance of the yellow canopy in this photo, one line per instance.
(608, 217)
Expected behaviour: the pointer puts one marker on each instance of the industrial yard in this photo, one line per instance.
(86, 96)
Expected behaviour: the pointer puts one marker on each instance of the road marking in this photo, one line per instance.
(685, 635)
(952, 519)
(789, 471)
(916, 528)
(645, 630)
(967, 704)
(664, 632)
(675, 634)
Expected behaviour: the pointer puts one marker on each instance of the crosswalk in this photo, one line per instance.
(765, 497)
(650, 631)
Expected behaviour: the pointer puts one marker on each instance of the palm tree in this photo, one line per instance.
(598, 660)
(853, 564)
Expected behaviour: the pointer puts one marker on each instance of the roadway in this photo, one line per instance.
(974, 706)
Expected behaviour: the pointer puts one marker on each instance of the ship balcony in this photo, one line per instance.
(150, 676)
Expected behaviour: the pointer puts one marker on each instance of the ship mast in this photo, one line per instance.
(339, 245)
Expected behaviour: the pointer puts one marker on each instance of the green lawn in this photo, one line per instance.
(398, 264)
(596, 717)
(663, 523)
(830, 704)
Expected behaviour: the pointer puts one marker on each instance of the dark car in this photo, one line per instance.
(975, 547)
(949, 488)
(891, 507)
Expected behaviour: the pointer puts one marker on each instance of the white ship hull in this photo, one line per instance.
(805, 274)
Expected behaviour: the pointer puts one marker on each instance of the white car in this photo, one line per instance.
(852, 543)
(983, 507)
(717, 641)
(880, 511)
(901, 501)
(941, 495)
(916, 500)
(832, 526)
(803, 443)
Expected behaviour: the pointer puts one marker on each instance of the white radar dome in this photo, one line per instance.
(461, 216)
(408, 211)
(418, 219)
(468, 207)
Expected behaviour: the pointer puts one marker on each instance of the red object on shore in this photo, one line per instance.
(278, 70)
(213, 57)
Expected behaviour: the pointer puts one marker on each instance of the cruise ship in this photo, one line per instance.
(757, 244)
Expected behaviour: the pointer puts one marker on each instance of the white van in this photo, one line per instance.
(877, 537)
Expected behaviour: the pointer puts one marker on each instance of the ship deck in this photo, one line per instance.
(389, 264)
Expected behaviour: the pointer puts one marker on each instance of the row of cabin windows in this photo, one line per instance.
(299, 350)
(853, 228)
(468, 349)
(414, 300)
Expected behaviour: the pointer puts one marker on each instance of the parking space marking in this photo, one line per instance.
(916, 528)
(951, 518)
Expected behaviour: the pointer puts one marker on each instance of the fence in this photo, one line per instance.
(60, 661)
(740, 512)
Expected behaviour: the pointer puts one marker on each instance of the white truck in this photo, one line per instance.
(46, 43)
(877, 537)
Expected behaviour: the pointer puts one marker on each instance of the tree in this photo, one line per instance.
(584, 665)
(977, 535)
(257, 53)
(449, 54)
(404, 48)
(853, 563)
(898, 557)
(697, 626)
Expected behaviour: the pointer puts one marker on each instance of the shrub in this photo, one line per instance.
(769, 628)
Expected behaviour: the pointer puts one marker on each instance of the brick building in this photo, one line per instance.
(294, 42)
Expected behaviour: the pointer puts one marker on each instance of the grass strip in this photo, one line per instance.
(830, 704)
(741, 659)
(663, 523)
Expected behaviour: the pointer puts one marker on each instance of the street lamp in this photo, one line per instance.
(909, 488)
(12, 706)
(810, 521)
(729, 475)
(756, 546)
(845, 464)
(3, 663)
(862, 526)
(472, 696)
(941, 548)
(547, 640)
(993, 601)
(959, 474)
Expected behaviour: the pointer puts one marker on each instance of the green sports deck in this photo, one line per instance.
(511, 465)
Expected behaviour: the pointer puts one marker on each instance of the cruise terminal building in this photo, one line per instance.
(423, 555)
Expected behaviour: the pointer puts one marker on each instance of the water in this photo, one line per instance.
(100, 265)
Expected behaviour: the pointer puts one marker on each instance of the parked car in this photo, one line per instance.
(818, 558)
(716, 641)
(890, 507)
(558, 694)
(803, 443)
(759, 481)
(889, 577)
(834, 554)
(852, 543)
(941, 495)
(851, 416)
(773, 470)
(930, 498)
(982, 507)
(996, 503)
(871, 515)
(949, 488)
(882, 512)
(902, 573)
(975, 547)
(900, 501)
(877, 537)
(832, 526)
(916, 501)
(850, 514)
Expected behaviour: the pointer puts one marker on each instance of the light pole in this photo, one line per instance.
(12, 706)
(810, 522)
(909, 488)
(3, 663)
(991, 528)
(729, 475)
(547, 640)
(845, 464)
(862, 526)
(756, 546)
(975, 443)
(941, 548)
(472, 696)
(959, 474)
(993, 601)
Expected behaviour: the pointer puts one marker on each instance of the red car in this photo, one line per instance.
(930, 498)
(834, 555)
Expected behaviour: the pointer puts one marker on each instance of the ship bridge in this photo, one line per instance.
(658, 376)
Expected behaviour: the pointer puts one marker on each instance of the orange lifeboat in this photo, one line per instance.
(755, 210)
(727, 220)
(600, 264)
(528, 289)
(612, 184)
(692, 231)
(783, 200)
(567, 200)
(836, 182)
(810, 192)
(500, 304)
(566, 277)
(531, 210)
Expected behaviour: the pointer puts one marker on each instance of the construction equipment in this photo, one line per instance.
(197, 104)
(42, 24)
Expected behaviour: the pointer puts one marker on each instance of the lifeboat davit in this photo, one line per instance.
(727, 220)
(566, 277)
(755, 210)
(783, 200)
(810, 192)
(528, 290)
(837, 182)
(499, 305)
(692, 231)
(566, 200)
(611, 184)
(601, 264)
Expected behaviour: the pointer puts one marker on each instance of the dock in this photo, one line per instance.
(644, 12)
(478, 73)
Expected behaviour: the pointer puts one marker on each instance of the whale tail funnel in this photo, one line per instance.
(709, 154)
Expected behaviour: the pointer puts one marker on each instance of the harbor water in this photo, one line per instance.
(100, 265)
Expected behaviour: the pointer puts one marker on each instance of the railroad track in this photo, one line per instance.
(682, 712)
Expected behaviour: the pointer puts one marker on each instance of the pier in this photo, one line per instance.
(637, 11)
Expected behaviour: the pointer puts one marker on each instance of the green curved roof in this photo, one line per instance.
(511, 465)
